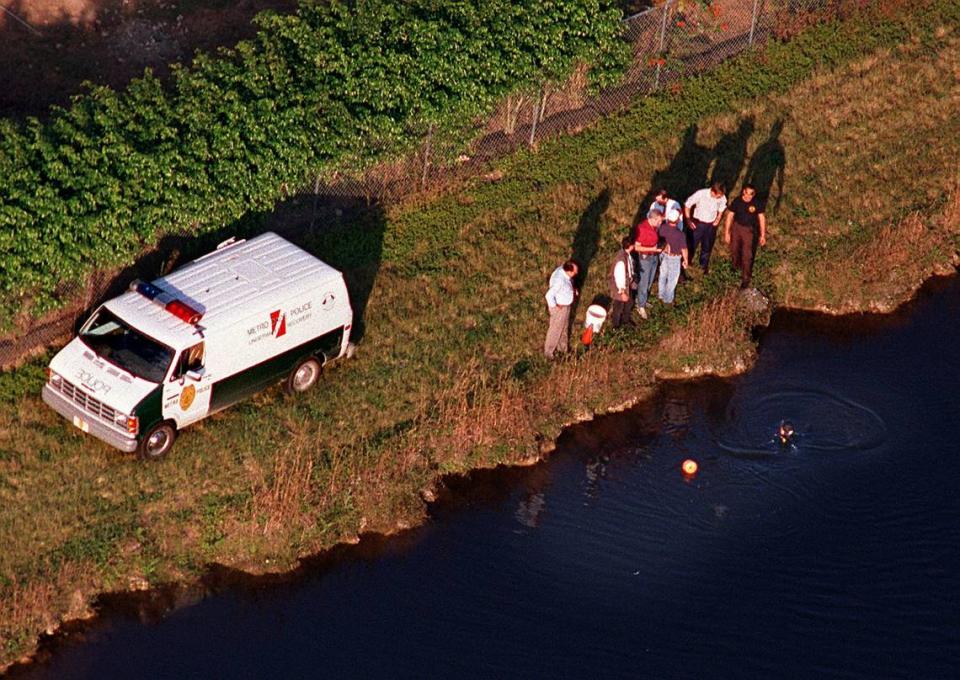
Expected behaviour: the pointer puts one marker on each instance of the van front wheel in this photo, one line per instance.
(303, 376)
(157, 442)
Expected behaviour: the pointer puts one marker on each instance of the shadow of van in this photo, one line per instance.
(346, 232)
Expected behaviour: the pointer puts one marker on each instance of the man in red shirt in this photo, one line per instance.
(646, 251)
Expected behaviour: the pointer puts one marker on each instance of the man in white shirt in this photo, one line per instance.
(560, 296)
(703, 210)
(621, 282)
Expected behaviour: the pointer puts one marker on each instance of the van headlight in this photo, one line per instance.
(53, 378)
(130, 423)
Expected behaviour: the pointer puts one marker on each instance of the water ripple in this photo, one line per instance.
(823, 421)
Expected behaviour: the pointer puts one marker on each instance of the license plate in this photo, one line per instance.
(81, 423)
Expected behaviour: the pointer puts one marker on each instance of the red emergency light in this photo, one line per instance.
(183, 311)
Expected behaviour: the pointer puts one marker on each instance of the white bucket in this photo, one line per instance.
(596, 315)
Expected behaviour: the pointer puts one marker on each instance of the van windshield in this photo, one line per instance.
(111, 338)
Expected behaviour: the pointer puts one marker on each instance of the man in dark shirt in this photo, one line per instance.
(745, 225)
(621, 282)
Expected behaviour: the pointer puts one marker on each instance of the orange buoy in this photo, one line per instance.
(689, 467)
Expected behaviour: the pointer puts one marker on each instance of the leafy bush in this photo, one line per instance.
(338, 85)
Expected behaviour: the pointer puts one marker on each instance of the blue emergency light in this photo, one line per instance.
(148, 290)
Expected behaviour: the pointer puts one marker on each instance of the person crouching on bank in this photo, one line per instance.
(621, 283)
(560, 296)
(673, 257)
(646, 250)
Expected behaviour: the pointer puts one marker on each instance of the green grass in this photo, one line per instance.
(449, 374)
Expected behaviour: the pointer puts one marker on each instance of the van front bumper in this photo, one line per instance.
(98, 428)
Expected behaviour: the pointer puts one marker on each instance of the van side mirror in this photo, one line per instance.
(196, 374)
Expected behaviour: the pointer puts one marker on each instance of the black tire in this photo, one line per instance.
(157, 442)
(303, 376)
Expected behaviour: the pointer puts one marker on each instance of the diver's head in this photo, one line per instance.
(786, 432)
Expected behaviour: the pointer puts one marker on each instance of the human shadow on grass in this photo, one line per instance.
(586, 239)
(690, 168)
(686, 172)
(768, 166)
(586, 242)
(730, 154)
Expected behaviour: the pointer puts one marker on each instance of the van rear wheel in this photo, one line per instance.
(304, 376)
(157, 442)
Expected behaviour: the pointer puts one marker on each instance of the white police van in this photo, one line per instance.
(168, 353)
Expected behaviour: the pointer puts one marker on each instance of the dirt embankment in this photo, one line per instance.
(48, 48)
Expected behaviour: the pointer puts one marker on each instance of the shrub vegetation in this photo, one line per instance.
(340, 84)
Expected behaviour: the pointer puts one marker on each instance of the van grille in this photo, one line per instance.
(85, 401)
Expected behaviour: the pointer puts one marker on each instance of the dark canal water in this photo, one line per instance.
(839, 558)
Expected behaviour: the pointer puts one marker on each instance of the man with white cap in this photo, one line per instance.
(673, 257)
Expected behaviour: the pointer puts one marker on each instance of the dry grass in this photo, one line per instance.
(39, 605)
(278, 501)
(894, 248)
(708, 326)
(885, 270)
(714, 339)
(864, 153)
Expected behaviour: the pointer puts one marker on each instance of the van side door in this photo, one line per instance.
(186, 395)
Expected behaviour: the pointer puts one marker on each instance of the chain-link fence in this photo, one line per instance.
(671, 40)
(668, 41)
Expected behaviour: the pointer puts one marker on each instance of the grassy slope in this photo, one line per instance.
(449, 376)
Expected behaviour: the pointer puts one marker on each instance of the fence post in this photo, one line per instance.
(753, 21)
(663, 35)
(426, 157)
(316, 201)
(536, 114)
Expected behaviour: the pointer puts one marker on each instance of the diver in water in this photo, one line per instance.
(786, 433)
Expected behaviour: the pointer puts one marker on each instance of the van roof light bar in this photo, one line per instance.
(178, 308)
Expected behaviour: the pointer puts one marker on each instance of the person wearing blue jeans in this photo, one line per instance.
(646, 251)
(673, 257)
